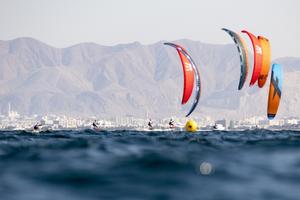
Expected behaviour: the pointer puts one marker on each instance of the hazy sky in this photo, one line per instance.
(62, 23)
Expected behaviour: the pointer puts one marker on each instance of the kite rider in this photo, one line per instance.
(37, 126)
(95, 124)
(171, 123)
(150, 124)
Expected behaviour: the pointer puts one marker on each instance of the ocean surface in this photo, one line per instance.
(79, 165)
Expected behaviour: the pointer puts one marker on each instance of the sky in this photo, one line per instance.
(62, 23)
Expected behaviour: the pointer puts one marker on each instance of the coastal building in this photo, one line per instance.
(222, 122)
(11, 113)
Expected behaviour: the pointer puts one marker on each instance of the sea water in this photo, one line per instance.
(77, 165)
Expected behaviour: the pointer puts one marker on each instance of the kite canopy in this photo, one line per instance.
(266, 61)
(190, 72)
(275, 90)
(242, 49)
(258, 54)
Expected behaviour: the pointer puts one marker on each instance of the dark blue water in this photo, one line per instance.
(150, 165)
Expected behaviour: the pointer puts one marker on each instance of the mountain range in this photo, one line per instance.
(132, 79)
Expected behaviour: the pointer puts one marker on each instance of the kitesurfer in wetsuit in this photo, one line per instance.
(171, 123)
(215, 126)
(37, 126)
(150, 124)
(95, 124)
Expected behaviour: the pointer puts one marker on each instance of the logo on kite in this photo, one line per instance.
(258, 50)
(188, 67)
(277, 90)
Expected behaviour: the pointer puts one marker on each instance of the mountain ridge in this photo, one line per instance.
(130, 79)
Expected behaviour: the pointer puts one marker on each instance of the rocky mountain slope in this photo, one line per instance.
(132, 79)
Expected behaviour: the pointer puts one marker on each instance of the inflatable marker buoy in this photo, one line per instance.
(191, 126)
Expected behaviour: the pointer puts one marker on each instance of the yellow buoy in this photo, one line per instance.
(191, 126)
